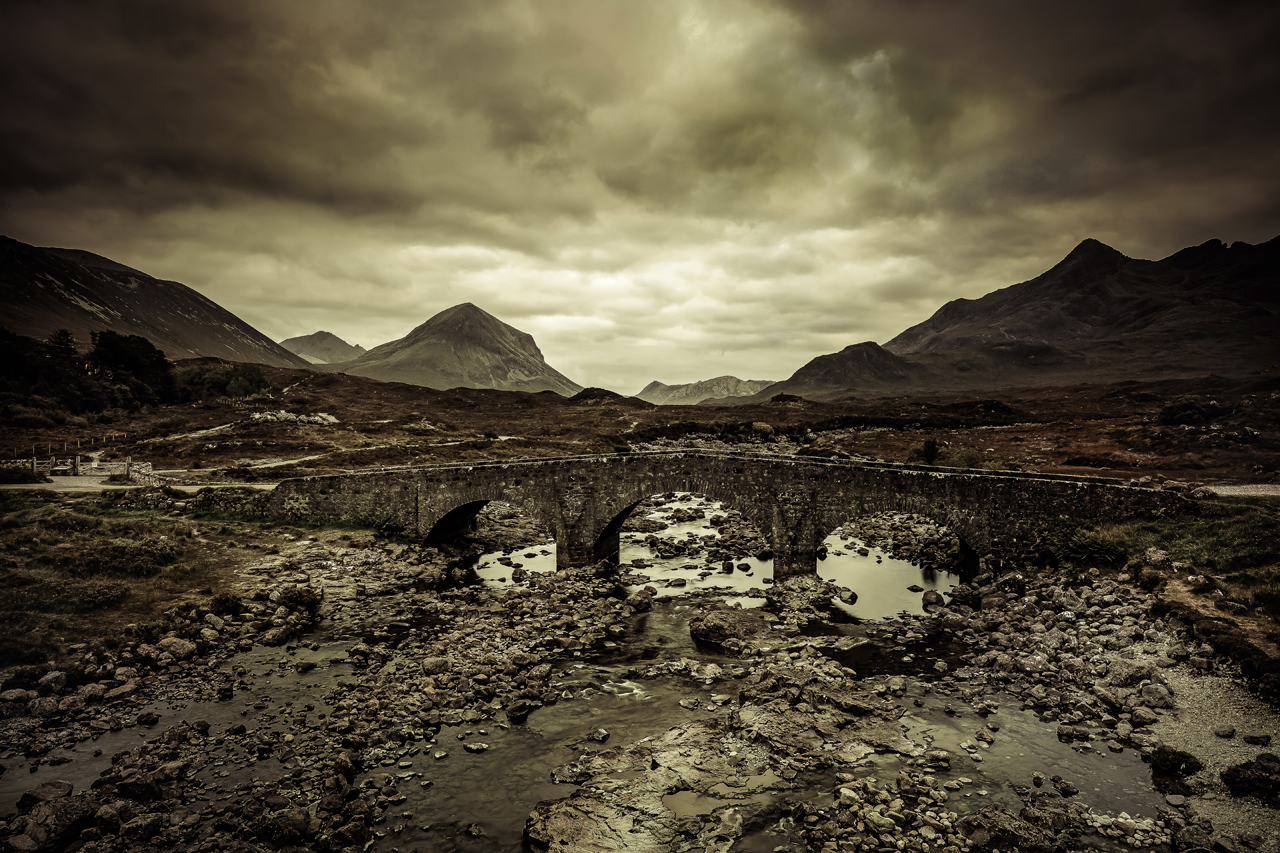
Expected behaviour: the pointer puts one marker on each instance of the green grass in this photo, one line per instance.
(1225, 536)
(1234, 541)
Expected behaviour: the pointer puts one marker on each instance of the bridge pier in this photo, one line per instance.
(794, 564)
(794, 534)
(574, 549)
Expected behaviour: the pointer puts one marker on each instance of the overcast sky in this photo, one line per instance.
(653, 190)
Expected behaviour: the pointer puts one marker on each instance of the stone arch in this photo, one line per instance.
(461, 519)
(452, 512)
(614, 512)
(970, 528)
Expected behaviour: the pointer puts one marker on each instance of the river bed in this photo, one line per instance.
(466, 780)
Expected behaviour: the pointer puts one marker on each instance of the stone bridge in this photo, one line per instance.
(795, 502)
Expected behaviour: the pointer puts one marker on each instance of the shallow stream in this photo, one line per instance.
(478, 801)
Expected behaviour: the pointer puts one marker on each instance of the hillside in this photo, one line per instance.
(463, 347)
(1096, 316)
(1207, 308)
(692, 393)
(42, 290)
(323, 348)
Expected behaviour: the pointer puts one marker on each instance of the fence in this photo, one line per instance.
(68, 447)
(78, 466)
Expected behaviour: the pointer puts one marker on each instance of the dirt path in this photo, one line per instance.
(1255, 490)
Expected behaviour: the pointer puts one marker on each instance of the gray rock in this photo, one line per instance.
(1156, 559)
(436, 665)
(181, 649)
(997, 828)
(1143, 717)
(51, 682)
(1157, 696)
(44, 792)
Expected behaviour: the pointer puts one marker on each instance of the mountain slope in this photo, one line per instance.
(1095, 316)
(323, 348)
(695, 392)
(1096, 294)
(866, 368)
(463, 347)
(42, 290)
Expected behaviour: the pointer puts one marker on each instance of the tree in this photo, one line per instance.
(63, 344)
(133, 361)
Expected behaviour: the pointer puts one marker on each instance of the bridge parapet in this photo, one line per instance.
(795, 501)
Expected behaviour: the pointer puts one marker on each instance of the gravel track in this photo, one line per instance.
(1252, 490)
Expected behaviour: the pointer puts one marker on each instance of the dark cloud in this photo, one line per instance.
(715, 186)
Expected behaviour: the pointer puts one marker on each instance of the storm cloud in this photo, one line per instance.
(656, 190)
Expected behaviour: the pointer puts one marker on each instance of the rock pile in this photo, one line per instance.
(283, 417)
(905, 536)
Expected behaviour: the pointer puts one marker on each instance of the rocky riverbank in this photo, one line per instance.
(316, 707)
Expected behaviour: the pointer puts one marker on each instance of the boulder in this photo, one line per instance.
(436, 665)
(43, 793)
(1156, 696)
(1156, 559)
(51, 682)
(1126, 673)
(717, 626)
(63, 818)
(1257, 778)
(180, 649)
(1167, 761)
(997, 828)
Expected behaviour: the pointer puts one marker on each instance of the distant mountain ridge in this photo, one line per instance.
(463, 347)
(1097, 315)
(695, 392)
(43, 290)
(323, 348)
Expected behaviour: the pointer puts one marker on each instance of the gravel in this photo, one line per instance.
(1205, 703)
(1252, 490)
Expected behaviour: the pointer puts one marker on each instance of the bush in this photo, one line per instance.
(168, 425)
(926, 452)
(123, 558)
(1188, 412)
(30, 420)
(1084, 548)
(206, 382)
(154, 629)
(18, 475)
(67, 596)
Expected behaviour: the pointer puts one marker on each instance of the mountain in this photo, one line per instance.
(1096, 316)
(323, 348)
(695, 392)
(42, 290)
(462, 347)
(1207, 307)
(857, 369)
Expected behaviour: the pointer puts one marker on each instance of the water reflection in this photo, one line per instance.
(883, 584)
